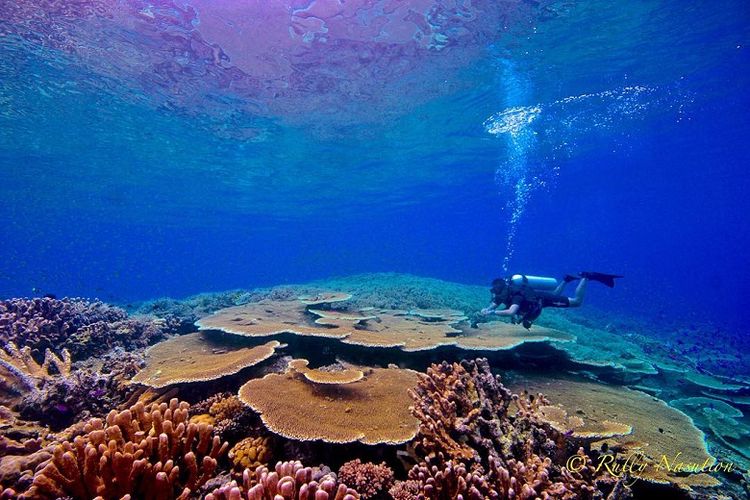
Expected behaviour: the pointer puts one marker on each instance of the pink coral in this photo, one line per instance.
(367, 478)
(289, 481)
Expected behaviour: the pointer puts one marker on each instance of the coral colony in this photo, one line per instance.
(304, 393)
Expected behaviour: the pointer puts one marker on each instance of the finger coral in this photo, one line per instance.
(369, 479)
(145, 452)
(289, 481)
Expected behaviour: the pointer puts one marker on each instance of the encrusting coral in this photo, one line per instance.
(146, 452)
(289, 481)
(369, 479)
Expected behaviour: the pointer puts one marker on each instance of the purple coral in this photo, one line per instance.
(369, 479)
(81, 326)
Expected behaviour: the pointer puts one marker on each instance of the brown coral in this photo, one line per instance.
(468, 417)
(149, 452)
(198, 357)
(272, 317)
(369, 479)
(251, 452)
(337, 377)
(289, 481)
(372, 410)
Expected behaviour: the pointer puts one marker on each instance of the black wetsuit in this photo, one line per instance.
(530, 302)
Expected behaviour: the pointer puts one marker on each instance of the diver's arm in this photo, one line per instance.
(511, 311)
(490, 308)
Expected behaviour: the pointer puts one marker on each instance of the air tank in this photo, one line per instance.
(535, 282)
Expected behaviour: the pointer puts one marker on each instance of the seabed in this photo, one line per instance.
(371, 386)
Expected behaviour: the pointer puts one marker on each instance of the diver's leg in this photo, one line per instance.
(560, 287)
(580, 293)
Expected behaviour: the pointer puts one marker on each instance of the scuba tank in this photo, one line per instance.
(535, 282)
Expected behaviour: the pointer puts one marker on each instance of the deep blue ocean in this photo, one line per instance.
(549, 138)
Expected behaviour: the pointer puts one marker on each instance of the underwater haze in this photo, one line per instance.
(168, 148)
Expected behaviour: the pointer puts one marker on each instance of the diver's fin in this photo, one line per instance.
(605, 279)
(569, 277)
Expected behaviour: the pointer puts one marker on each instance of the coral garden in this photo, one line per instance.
(372, 387)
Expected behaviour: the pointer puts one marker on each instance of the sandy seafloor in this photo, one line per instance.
(46, 404)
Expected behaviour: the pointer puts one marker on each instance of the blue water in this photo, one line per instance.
(131, 169)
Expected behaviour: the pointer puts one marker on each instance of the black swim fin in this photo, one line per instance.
(605, 279)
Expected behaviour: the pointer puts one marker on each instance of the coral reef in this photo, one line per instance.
(44, 323)
(318, 376)
(369, 479)
(251, 452)
(92, 388)
(289, 481)
(198, 357)
(657, 429)
(232, 419)
(372, 410)
(81, 326)
(471, 424)
(410, 330)
(143, 451)
(271, 317)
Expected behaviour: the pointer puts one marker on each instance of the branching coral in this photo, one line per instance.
(91, 389)
(47, 323)
(369, 479)
(289, 481)
(147, 452)
(22, 366)
(82, 327)
(470, 421)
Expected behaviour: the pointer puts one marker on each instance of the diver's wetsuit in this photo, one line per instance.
(530, 302)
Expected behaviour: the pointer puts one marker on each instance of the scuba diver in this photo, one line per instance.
(524, 297)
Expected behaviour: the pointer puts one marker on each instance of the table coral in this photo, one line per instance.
(369, 479)
(289, 481)
(271, 317)
(143, 451)
(198, 357)
(373, 410)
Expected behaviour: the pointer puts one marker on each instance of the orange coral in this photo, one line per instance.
(372, 410)
(198, 357)
(149, 452)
